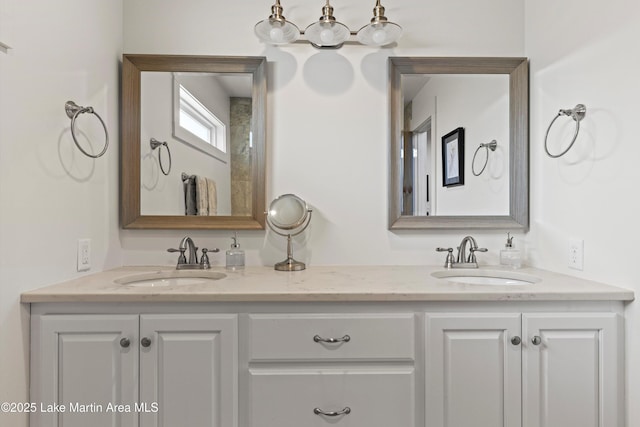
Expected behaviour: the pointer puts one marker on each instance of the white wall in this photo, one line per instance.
(586, 52)
(327, 117)
(50, 194)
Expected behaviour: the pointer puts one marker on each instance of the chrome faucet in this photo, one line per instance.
(463, 260)
(186, 244)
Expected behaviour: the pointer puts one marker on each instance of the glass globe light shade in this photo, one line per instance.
(379, 33)
(275, 31)
(327, 34)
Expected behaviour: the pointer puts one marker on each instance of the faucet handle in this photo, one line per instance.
(204, 260)
(181, 259)
(448, 262)
(472, 255)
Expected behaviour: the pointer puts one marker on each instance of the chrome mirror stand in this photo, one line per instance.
(291, 214)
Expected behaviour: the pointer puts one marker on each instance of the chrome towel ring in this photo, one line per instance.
(487, 146)
(155, 144)
(73, 110)
(577, 114)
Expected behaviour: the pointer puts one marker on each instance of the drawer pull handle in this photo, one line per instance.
(345, 411)
(345, 338)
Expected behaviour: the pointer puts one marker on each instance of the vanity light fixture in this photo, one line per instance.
(327, 32)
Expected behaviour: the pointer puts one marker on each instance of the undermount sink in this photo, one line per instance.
(486, 277)
(171, 278)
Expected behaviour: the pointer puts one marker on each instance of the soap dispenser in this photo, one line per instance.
(235, 255)
(510, 256)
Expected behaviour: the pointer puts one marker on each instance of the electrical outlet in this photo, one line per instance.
(576, 254)
(84, 254)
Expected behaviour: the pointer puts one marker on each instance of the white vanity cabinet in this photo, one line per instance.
(122, 370)
(356, 370)
(328, 363)
(85, 359)
(573, 370)
(529, 369)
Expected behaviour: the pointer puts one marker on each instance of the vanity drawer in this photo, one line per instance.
(361, 336)
(291, 399)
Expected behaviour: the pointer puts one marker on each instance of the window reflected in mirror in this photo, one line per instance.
(206, 120)
(210, 113)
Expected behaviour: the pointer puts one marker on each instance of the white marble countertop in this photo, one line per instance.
(326, 283)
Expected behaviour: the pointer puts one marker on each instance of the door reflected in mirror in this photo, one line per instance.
(441, 111)
(434, 106)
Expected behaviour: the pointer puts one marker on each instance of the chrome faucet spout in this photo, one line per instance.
(463, 260)
(187, 244)
(462, 251)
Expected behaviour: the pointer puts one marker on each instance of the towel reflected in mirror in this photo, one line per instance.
(200, 195)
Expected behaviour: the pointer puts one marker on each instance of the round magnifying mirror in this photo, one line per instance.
(288, 212)
(289, 216)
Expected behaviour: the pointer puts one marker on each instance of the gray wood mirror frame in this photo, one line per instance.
(130, 171)
(516, 216)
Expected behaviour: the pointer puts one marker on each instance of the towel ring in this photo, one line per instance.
(488, 146)
(155, 144)
(73, 110)
(577, 114)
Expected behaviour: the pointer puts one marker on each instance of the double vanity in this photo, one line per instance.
(372, 346)
(369, 346)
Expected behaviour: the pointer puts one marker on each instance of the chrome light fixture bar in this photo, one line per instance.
(327, 32)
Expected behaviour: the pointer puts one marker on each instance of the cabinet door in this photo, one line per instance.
(188, 370)
(473, 370)
(80, 364)
(573, 371)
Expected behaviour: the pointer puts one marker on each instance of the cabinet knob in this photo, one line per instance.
(536, 340)
(125, 343)
(145, 342)
(319, 411)
(516, 340)
(318, 338)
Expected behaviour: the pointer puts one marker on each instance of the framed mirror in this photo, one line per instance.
(206, 168)
(459, 143)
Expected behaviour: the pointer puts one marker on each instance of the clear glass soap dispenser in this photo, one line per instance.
(235, 255)
(510, 256)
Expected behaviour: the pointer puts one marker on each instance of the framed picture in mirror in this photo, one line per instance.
(453, 158)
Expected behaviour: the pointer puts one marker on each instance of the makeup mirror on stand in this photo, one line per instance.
(288, 216)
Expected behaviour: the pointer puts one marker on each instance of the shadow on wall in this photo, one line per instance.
(328, 73)
(281, 64)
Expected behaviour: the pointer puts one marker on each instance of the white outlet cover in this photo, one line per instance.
(576, 254)
(84, 254)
